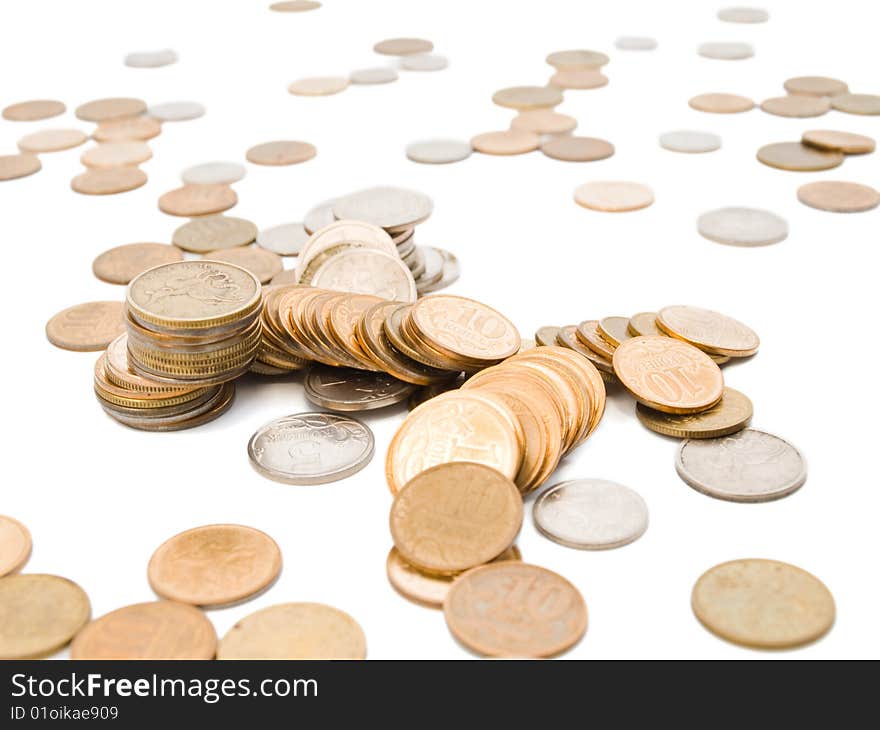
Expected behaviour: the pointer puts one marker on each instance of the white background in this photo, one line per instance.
(99, 498)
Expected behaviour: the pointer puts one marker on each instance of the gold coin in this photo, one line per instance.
(507, 142)
(86, 327)
(261, 263)
(16, 166)
(116, 154)
(155, 630)
(577, 149)
(119, 265)
(214, 565)
(545, 336)
(51, 140)
(128, 128)
(295, 631)
(214, 233)
(614, 196)
(108, 181)
(731, 414)
(567, 337)
(33, 111)
(403, 46)
(39, 614)
(543, 121)
(514, 609)
(799, 157)
(643, 324)
(523, 98)
(294, 6)
(282, 152)
(195, 200)
(578, 79)
(839, 197)
(102, 110)
(710, 331)
(577, 60)
(588, 333)
(867, 104)
(765, 604)
(318, 86)
(796, 106)
(15, 545)
(668, 375)
(815, 86)
(846, 142)
(721, 103)
(455, 516)
(614, 329)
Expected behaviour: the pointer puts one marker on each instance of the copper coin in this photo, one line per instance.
(214, 233)
(514, 609)
(282, 152)
(129, 128)
(318, 86)
(294, 6)
(528, 97)
(195, 200)
(116, 154)
(109, 181)
(508, 142)
(214, 565)
(121, 264)
(846, 142)
(731, 414)
(543, 121)
(710, 331)
(33, 111)
(403, 46)
(689, 141)
(726, 50)
(424, 62)
(15, 545)
(796, 105)
(16, 166)
(588, 333)
(102, 110)
(839, 197)
(155, 630)
(765, 604)
(439, 151)
(51, 140)
(798, 157)
(576, 60)
(743, 15)
(721, 103)
(578, 79)
(742, 227)
(635, 43)
(642, 324)
(567, 337)
(815, 86)
(614, 196)
(87, 327)
(868, 104)
(576, 149)
(261, 263)
(176, 111)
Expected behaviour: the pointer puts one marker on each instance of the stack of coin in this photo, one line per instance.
(193, 323)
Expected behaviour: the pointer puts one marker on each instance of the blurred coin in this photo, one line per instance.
(588, 333)
(208, 233)
(51, 140)
(282, 152)
(635, 43)
(285, 240)
(839, 197)
(195, 200)
(13, 167)
(796, 105)
(576, 149)
(799, 157)
(108, 180)
(438, 151)
(294, 6)
(643, 324)
(528, 97)
(721, 103)
(286, 277)
(151, 59)
(614, 196)
(15, 545)
(543, 121)
(377, 75)
(387, 207)
(33, 111)
(344, 389)
(578, 59)
(451, 272)
(546, 336)
(119, 265)
(213, 173)
(846, 142)
(424, 62)
(116, 154)
(319, 86)
(176, 111)
(320, 216)
(86, 327)
(127, 129)
(507, 142)
(686, 140)
(742, 227)
(585, 78)
(815, 86)
(726, 50)
(367, 271)
(731, 414)
(403, 46)
(710, 331)
(614, 329)
(867, 104)
(261, 263)
(567, 337)
(102, 110)
(743, 15)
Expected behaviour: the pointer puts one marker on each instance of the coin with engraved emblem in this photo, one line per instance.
(393, 209)
(367, 271)
(15, 545)
(119, 265)
(209, 233)
(731, 414)
(711, 331)
(345, 389)
(86, 327)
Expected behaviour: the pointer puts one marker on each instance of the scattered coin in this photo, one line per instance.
(743, 15)
(690, 141)
(568, 337)
(543, 121)
(846, 142)
(176, 111)
(867, 104)
(546, 336)
(116, 154)
(643, 324)
(261, 263)
(102, 110)
(726, 51)
(839, 197)
(438, 151)
(320, 216)
(214, 565)
(195, 200)
(343, 389)
(578, 59)
(15, 545)
(513, 609)
(588, 333)
(377, 75)
(213, 173)
(798, 157)
(710, 331)
(523, 98)
(119, 265)
(127, 129)
(742, 227)
(614, 329)
(294, 6)
(295, 631)
(635, 43)
(282, 152)
(403, 46)
(33, 111)
(507, 142)
(796, 105)
(285, 278)
(815, 86)
(151, 59)
(155, 630)
(13, 167)
(387, 207)
(319, 86)
(449, 275)
(614, 196)
(51, 140)
(39, 614)
(731, 414)
(721, 103)
(285, 240)
(208, 233)
(86, 327)
(424, 62)
(576, 149)
(585, 78)
(108, 180)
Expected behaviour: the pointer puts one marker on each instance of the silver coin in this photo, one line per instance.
(320, 216)
(151, 59)
(367, 271)
(344, 389)
(690, 141)
(311, 448)
(387, 207)
(743, 15)
(749, 466)
(451, 272)
(176, 111)
(286, 239)
(742, 227)
(377, 75)
(439, 151)
(726, 51)
(424, 62)
(433, 267)
(635, 43)
(213, 173)
(590, 514)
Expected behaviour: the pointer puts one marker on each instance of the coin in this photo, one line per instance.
(213, 173)
(576, 149)
(455, 516)
(815, 86)
(403, 46)
(839, 197)
(635, 43)
(344, 389)
(282, 152)
(726, 50)
(387, 207)
(567, 337)
(15, 545)
(286, 277)
(295, 631)
(588, 333)
(294, 6)
(127, 128)
(686, 140)
(108, 181)
(585, 78)
(261, 263)
(578, 59)
(514, 609)
(39, 614)
(214, 233)
(506, 142)
(546, 336)
(151, 59)
(528, 97)
(708, 330)
(367, 271)
(796, 105)
(101, 110)
(742, 227)
(614, 196)
(590, 514)
(731, 414)
(285, 240)
(319, 216)
(721, 103)
(214, 565)
(748, 466)
(116, 154)
(16, 166)
(33, 111)
(319, 86)
(846, 142)
(119, 265)
(799, 157)
(86, 327)
(743, 15)
(424, 62)
(438, 151)
(451, 272)
(868, 104)
(155, 630)
(642, 324)
(51, 140)
(614, 329)
(543, 121)
(176, 111)
(376, 75)
(196, 200)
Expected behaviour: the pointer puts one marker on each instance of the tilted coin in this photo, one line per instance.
(176, 111)
(424, 62)
(337, 237)
(367, 271)
(214, 565)
(567, 337)
(261, 263)
(281, 152)
(726, 50)
(39, 614)
(846, 142)
(588, 333)
(319, 86)
(546, 336)
(294, 6)
(319, 216)
(285, 240)
(721, 103)
(686, 140)
(635, 43)
(438, 151)
(748, 466)
(815, 86)
(13, 167)
(344, 389)
(116, 154)
(450, 274)
(102, 110)
(514, 609)
(838, 196)
(151, 59)
(798, 157)
(577, 59)
(155, 630)
(295, 631)
(796, 105)
(109, 180)
(528, 97)
(86, 327)
(213, 173)
(387, 207)
(710, 331)
(506, 142)
(576, 149)
(51, 140)
(743, 15)
(311, 448)
(403, 46)
(643, 323)
(543, 121)
(15, 545)
(765, 604)
(119, 265)
(33, 111)
(578, 79)
(127, 128)
(196, 200)
(731, 414)
(286, 277)
(866, 104)
(377, 75)
(742, 227)
(455, 516)
(208, 233)
(614, 196)
(614, 329)
(590, 514)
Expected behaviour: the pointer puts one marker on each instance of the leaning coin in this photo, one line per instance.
(546, 336)
(731, 414)
(711, 331)
(286, 239)
(15, 545)
(837, 196)
(86, 327)
(344, 389)
(749, 466)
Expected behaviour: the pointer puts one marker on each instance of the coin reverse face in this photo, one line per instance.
(345, 389)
